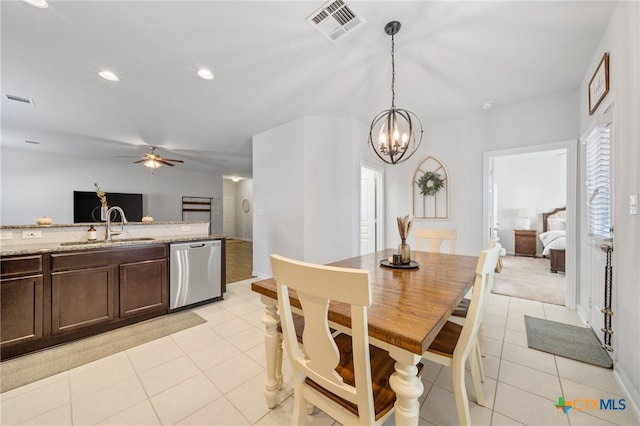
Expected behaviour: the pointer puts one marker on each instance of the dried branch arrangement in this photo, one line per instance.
(404, 225)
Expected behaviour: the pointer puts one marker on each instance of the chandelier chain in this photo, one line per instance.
(393, 74)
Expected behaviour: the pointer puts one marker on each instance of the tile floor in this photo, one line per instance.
(212, 374)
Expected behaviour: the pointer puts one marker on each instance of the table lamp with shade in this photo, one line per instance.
(525, 216)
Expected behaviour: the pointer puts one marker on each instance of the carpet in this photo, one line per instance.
(32, 367)
(529, 278)
(568, 341)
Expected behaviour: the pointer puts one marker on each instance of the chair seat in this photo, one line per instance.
(298, 323)
(382, 367)
(462, 309)
(446, 340)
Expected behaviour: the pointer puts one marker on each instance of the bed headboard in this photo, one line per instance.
(545, 217)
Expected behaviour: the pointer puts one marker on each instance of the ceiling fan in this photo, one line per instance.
(153, 160)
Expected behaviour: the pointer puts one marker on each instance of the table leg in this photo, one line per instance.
(273, 351)
(407, 386)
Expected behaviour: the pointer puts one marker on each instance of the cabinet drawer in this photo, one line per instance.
(21, 265)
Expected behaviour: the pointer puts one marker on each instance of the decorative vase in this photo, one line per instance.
(405, 251)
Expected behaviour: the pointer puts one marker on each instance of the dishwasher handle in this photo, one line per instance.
(196, 245)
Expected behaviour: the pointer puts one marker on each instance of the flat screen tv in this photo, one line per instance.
(86, 206)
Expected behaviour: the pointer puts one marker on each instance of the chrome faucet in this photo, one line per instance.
(108, 232)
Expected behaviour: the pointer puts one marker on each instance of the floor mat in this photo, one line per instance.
(29, 368)
(568, 341)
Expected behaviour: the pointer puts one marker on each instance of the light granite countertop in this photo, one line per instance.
(84, 225)
(50, 247)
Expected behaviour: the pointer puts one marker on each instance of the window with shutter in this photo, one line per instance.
(598, 180)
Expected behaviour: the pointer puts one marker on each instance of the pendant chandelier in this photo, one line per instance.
(395, 133)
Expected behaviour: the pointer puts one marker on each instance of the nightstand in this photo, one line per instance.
(526, 243)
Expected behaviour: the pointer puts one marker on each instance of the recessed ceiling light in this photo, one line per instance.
(486, 105)
(108, 75)
(41, 4)
(205, 73)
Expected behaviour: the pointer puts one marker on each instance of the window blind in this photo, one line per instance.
(598, 181)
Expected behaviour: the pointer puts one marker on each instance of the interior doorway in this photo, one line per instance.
(370, 209)
(491, 188)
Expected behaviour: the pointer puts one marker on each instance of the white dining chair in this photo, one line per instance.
(343, 375)
(459, 315)
(435, 238)
(455, 343)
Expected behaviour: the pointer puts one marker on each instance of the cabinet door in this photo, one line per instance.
(21, 305)
(143, 287)
(82, 298)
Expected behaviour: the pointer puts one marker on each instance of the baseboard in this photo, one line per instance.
(582, 314)
(630, 390)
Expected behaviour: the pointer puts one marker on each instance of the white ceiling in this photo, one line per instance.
(270, 67)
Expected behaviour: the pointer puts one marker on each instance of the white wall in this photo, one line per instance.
(244, 221)
(459, 144)
(622, 41)
(36, 183)
(537, 181)
(278, 194)
(306, 190)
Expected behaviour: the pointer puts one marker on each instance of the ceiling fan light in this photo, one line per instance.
(152, 164)
(205, 74)
(108, 75)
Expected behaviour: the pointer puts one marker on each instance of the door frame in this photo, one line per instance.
(571, 189)
(379, 228)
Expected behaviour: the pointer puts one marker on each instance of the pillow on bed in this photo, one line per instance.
(556, 224)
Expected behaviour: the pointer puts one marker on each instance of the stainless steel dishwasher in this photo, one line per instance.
(196, 273)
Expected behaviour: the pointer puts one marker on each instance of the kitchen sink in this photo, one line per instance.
(115, 240)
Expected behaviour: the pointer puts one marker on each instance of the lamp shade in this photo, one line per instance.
(527, 213)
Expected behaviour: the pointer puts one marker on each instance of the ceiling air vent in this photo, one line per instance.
(335, 19)
(20, 99)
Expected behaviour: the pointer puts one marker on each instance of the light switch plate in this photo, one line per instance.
(633, 204)
(6, 235)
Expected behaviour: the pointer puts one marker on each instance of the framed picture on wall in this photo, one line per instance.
(599, 84)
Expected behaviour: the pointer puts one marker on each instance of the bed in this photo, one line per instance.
(554, 238)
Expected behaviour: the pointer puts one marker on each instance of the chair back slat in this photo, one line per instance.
(435, 238)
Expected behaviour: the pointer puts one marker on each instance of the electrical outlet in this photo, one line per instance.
(6, 235)
(185, 228)
(27, 235)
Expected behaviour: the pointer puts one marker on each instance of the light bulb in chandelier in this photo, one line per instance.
(399, 131)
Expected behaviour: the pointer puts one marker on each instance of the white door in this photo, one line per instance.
(599, 152)
(368, 211)
(228, 215)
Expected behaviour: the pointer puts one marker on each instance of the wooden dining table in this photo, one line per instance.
(408, 309)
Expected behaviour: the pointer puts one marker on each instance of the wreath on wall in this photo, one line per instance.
(430, 183)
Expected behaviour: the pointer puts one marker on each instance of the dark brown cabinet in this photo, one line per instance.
(62, 296)
(82, 298)
(21, 300)
(525, 242)
(143, 287)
